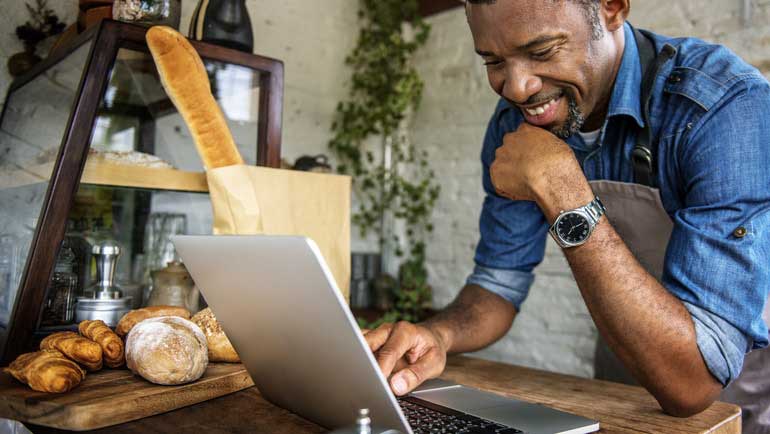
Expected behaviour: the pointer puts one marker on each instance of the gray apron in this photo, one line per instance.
(637, 215)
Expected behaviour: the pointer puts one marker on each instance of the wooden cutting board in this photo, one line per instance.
(114, 396)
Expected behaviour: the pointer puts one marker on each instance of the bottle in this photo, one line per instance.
(148, 12)
(8, 271)
(60, 304)
(223, 22)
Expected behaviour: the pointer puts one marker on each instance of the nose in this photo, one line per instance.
(521, 84)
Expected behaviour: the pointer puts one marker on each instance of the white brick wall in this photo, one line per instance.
(554, 330)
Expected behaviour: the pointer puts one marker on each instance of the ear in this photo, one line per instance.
(614, 13)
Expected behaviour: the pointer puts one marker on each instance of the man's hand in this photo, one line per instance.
(412, 353)
(535, 165)
(529, 158)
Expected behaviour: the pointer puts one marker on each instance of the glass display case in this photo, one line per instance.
(98, 169)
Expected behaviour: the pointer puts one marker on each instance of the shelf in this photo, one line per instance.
(31, 175)
(119, 175)
(115, 175)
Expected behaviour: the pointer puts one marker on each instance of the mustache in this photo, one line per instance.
(543, 98)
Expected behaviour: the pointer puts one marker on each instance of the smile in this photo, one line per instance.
(539, 110)
(543, 114)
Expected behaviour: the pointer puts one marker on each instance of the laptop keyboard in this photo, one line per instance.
(426, 417)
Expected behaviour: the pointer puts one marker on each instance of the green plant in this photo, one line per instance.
(385, 88)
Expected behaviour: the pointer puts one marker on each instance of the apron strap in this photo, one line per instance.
(643, 155)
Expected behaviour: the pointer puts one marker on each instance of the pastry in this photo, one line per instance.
(137, 315)
(84, 351)
(112, 345)
(187, 84)
(167, 350)
(47, 371)
(220, 348)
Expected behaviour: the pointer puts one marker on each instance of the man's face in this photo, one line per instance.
(542, 56)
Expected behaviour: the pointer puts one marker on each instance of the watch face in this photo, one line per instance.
(573, 228)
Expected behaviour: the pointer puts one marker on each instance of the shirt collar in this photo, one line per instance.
(626, 94)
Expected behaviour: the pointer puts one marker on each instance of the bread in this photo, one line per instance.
(79, 349)
(167, 350)
(187, 84)
(220, 348)
(138, 315)
(47, 371)
(113, 352)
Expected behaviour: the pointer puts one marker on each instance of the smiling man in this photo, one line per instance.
(647, 159)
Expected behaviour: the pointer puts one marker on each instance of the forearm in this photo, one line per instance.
(474, 320)
(649, 329)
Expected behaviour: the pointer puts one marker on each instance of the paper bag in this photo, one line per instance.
(260, 200)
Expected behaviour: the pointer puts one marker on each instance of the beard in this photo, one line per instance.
(574, 121)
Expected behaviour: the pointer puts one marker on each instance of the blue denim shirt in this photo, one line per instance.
(710, 117)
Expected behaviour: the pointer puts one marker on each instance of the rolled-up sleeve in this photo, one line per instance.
(512, 233)
(512, 285)
(717, 257)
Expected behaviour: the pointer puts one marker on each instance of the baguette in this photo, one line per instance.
(135, 316)
(220, 348)
(113, 351)
(47, 371)
(186, 82)
(84, 351)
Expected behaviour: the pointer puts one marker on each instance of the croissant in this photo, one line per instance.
(113, 351)
(84, 351)
(135, 316)
(47, 371)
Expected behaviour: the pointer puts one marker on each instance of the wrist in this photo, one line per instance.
(443, 334)
(565, 191)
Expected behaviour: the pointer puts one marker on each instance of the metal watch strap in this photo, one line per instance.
(594, 210)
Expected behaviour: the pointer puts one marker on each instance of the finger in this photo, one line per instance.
(430, 365)
(377, 337)
(402, 339)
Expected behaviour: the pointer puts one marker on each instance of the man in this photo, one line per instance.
(676, 278)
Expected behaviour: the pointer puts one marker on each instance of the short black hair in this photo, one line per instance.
(590, 10)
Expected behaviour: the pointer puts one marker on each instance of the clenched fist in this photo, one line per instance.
(531, 162)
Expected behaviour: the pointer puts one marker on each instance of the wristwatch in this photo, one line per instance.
(572, 228)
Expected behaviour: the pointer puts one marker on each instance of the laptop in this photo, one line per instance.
(280, 306)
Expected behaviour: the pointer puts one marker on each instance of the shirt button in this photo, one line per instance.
(739, 232)
(673, 78)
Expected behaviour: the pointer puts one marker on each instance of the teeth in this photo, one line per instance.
(540, 110)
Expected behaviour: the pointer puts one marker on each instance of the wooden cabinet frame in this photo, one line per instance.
(108, 37)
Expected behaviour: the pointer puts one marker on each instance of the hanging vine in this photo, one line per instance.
(385, 88)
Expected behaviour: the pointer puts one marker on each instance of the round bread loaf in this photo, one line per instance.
(167, 350)
(220, 348)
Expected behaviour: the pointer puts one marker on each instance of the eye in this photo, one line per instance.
(492, 62)
(544, 54)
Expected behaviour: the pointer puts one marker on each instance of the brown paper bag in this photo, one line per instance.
(260, 200)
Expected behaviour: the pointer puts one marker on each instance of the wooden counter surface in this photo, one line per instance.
(619, 408)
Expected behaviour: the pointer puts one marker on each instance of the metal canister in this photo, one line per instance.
(104, 300)
(109, 311)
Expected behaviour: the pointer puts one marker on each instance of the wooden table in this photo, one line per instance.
(619, 408)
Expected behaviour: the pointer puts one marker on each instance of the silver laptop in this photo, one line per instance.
(280, 306)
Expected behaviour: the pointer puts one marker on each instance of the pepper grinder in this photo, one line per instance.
(104, 300)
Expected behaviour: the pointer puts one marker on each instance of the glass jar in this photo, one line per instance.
(173, 286)
(148, 12)
(60, 303)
